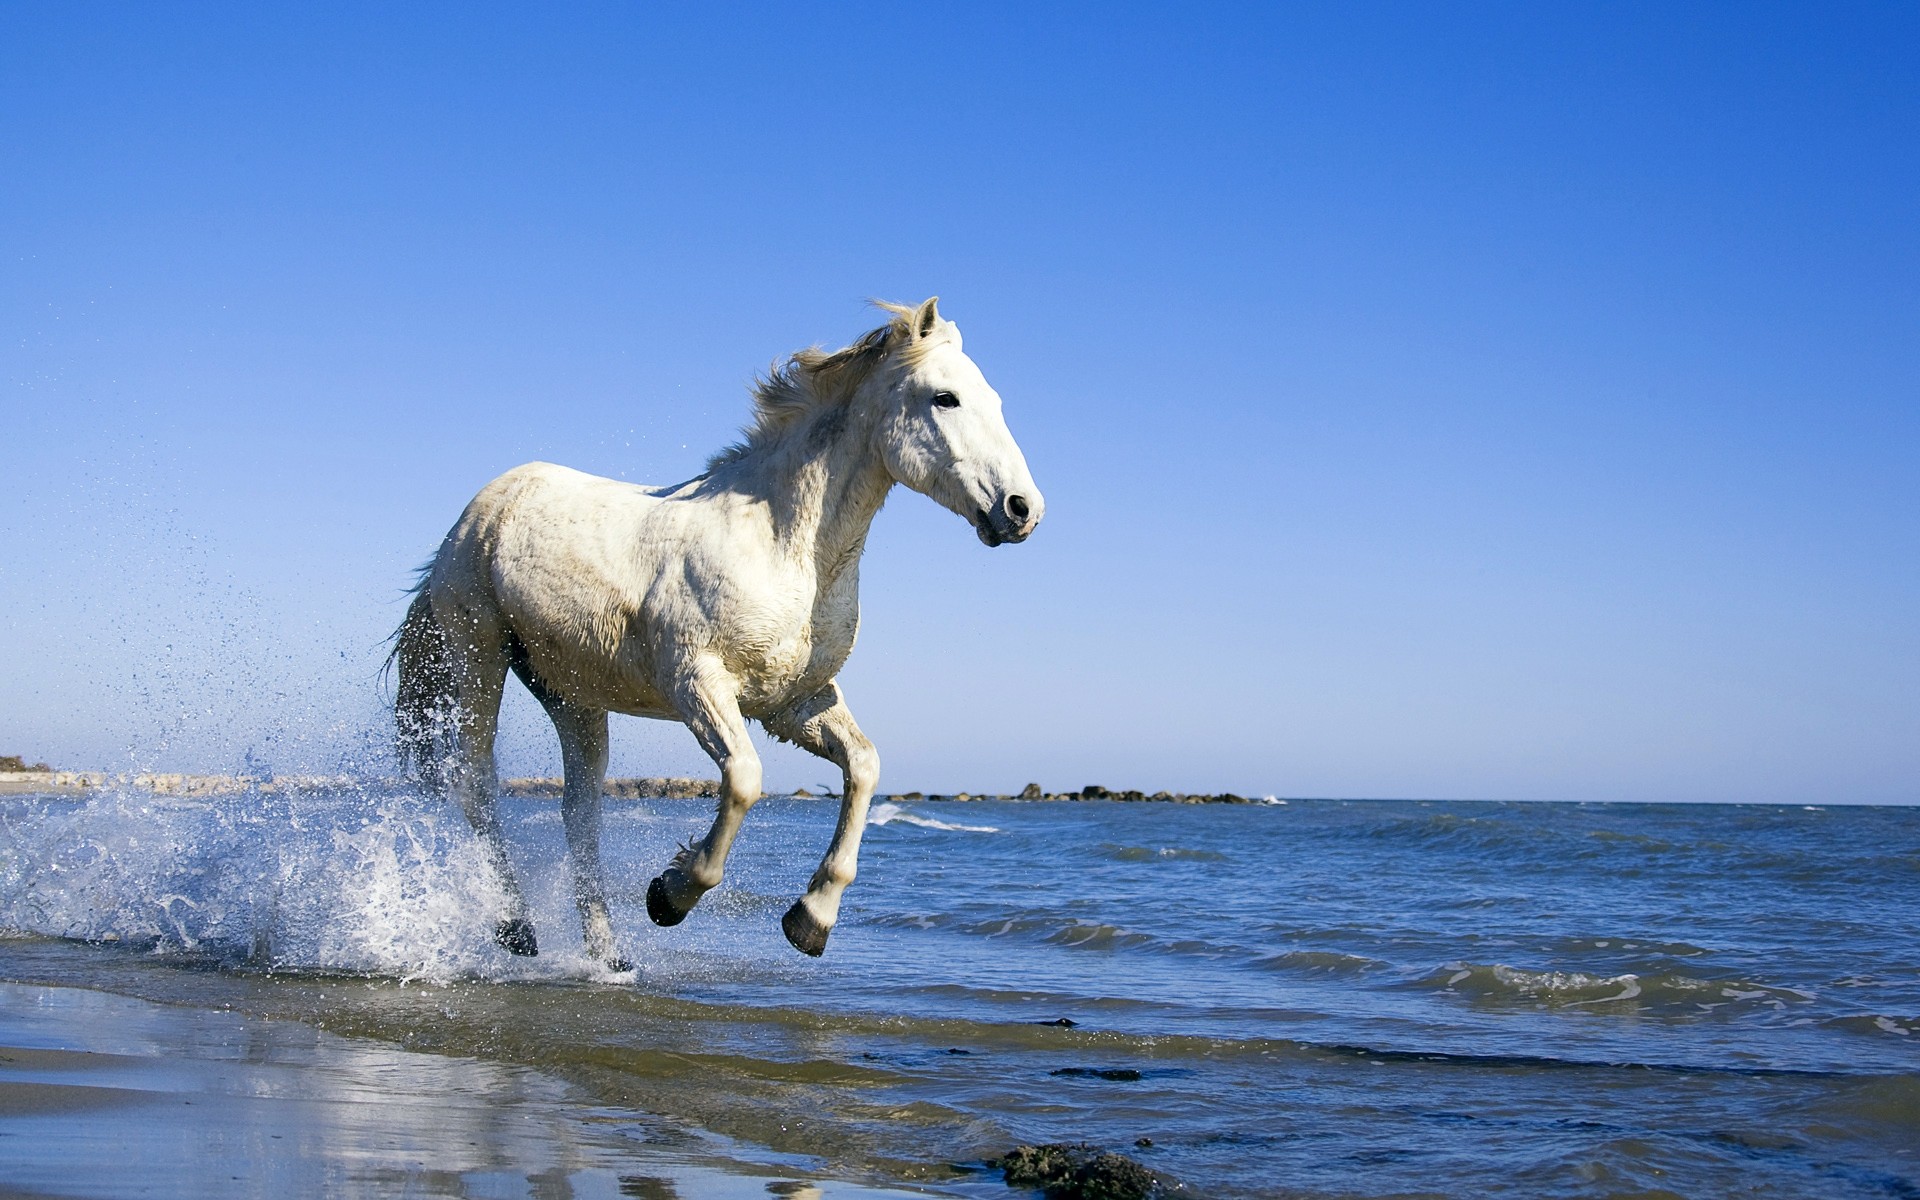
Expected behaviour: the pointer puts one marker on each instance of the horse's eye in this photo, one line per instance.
(945, 400)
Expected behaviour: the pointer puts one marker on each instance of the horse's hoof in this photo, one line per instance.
(660, 905)
(516, 937)
(807, 935)
(618, 965)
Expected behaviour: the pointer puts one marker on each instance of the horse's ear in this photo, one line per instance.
(926, 318)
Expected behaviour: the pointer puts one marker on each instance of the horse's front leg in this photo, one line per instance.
(707, 698)
(823, 726)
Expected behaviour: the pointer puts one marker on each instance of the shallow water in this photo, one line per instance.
(1317, 998)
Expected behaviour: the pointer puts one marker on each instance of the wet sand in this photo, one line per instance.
(107, 1096)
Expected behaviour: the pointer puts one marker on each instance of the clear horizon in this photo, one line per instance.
(1482, 402)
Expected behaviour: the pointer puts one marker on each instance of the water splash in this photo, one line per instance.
(366, 880)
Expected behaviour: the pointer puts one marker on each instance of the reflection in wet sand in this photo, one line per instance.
(102, 1095)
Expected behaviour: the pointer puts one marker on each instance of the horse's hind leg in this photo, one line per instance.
(583, 757)
(706, 701)
(824, 726)
(479, 673)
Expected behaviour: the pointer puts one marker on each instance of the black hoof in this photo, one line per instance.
(516, 937)
(807, 935)
(660, 905)
(619, 966)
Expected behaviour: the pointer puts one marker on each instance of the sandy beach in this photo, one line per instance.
(107, 1096)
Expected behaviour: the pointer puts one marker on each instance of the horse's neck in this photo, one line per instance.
(824, 494)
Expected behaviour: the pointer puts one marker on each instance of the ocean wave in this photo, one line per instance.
(1095, 935)
(1646, 950)
(1665, 993)
(1502, 833)
(1319, 962)
(1045, 928)
(1121, 853)
(886, 813)
(1071, 933)
(1877, 1025)
(1645, 843)
(1497, 834)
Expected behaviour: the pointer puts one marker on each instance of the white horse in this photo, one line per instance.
(731, 596)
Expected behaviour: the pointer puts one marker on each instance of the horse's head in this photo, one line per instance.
(942, 433)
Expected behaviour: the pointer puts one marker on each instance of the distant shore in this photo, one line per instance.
(166, 783)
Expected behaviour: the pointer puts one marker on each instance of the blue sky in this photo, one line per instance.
(1466, 401)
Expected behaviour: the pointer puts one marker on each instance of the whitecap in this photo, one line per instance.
(1628, 992)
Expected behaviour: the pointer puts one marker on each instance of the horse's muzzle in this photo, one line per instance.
(1012, 520)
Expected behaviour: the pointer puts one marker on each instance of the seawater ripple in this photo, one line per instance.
(1318, 997)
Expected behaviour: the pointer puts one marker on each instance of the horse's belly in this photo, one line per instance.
(594, 678)
(638, 700)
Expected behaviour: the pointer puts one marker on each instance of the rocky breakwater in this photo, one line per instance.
(17, 777)
(646, 787)
(1033, 791)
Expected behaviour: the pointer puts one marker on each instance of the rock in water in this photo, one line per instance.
(1046, 1164)
(1078, 1171)
(1110, 1177)
(1114, 1074)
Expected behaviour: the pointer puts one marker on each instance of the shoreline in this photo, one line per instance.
(106, 1094)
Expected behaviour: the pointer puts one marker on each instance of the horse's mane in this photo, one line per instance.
(813, 379)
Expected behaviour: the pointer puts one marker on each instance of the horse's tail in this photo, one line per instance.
(424, 694)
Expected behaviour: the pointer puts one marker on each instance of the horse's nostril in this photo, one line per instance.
(1017, 507)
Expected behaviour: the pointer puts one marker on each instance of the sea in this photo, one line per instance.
(1296, 998)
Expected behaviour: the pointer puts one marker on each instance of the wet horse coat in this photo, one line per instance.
(730, 597)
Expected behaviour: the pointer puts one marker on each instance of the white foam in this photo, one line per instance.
(1558, 985)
